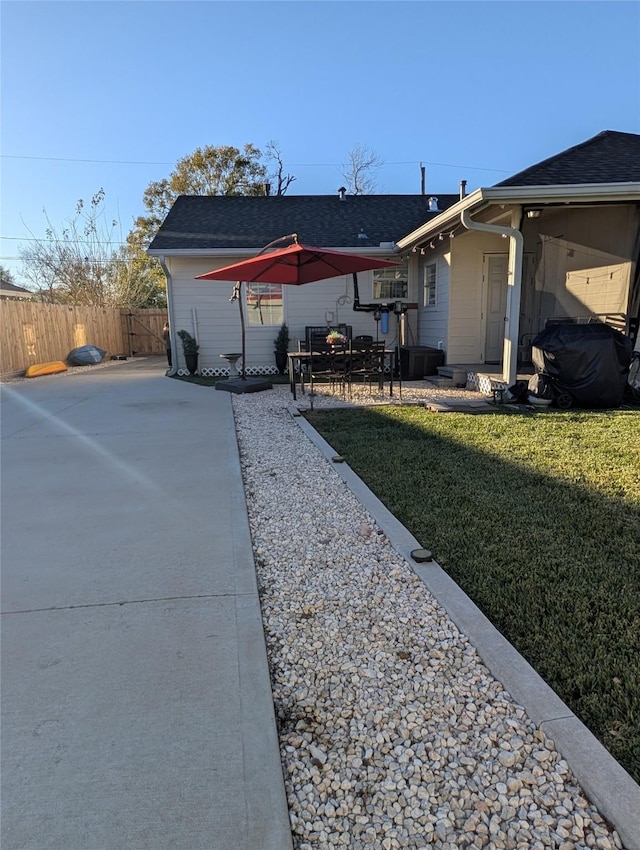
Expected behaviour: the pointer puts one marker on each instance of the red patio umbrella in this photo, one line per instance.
(292, 265)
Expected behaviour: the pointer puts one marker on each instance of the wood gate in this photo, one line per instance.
(143, 331)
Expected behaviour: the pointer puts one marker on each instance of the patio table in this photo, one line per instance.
(297, 360)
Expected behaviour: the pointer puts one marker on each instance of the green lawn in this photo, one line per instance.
(537, 518)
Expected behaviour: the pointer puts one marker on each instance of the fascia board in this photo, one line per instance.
(568, 193)
(443, 222)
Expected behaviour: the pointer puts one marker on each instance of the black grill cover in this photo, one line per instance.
(590, 362)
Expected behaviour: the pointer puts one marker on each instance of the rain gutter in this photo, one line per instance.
(565, 193)
(556, 195)
(174, 357)
(514, 281)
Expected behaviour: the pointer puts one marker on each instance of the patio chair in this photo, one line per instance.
(367, 362)
(317, 334)
(330, 364)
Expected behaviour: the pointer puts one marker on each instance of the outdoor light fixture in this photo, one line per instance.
(422, 556)
(534, 213)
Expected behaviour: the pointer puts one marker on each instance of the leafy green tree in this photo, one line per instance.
(135, 282)
(223, 170)
(144, 269)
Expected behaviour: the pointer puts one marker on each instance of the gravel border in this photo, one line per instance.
(393, 732)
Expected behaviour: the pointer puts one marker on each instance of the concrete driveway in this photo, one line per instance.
(136, 700)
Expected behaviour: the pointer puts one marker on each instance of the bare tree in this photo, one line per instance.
(84, 262)
(273, 154)
(359, 170)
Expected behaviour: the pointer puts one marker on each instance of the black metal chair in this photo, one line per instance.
(329, 363)
(367, 362)
(317, 334)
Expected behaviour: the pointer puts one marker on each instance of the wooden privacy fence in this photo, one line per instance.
(37, 333)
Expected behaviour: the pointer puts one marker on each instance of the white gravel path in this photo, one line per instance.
(392, 731)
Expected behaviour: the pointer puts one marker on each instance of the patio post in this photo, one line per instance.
(514, 286)
(514, 289)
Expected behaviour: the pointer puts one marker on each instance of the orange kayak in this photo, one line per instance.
(39, 369)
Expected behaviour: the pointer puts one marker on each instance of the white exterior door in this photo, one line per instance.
(495, 276)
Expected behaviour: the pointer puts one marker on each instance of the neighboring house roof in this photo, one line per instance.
(10, 290)
(609, 157)
(201, 223)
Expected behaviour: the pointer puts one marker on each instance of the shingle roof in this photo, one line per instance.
(5, 286)
(609, 157)
(226, 221)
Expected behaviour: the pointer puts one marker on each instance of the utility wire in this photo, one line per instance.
(292, 165)
(70, 241)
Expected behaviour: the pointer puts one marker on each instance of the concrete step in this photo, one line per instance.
(445, 371)
(456, 374)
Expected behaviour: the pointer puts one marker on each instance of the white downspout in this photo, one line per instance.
(512, 319)
(174, 359)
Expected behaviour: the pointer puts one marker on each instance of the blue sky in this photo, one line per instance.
(111, 94)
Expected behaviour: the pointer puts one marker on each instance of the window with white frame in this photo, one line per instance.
(430, 285)
(264, 303)
(392, 283)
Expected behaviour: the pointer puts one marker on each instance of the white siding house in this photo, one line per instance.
(484, 273)
(203, 308)
(201, 234)
(433, 300)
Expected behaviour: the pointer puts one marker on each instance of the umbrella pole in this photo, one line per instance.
(244, 377)
(399, 360)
